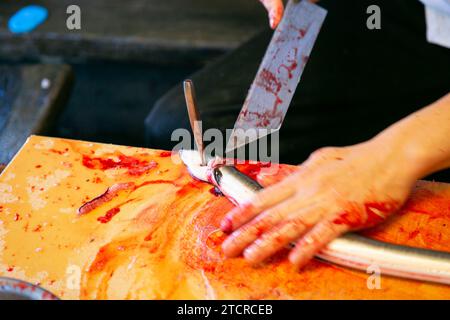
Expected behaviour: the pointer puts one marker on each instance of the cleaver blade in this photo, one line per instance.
(272, 89)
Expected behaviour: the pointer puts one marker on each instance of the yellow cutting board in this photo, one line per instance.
(154, 233)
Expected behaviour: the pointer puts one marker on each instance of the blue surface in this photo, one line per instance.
(27, 19)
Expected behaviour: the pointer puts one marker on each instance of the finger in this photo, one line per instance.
(249, 232)
(317, 238)
(275, 10)
(274, 240)
(282, 234)
(264, 199)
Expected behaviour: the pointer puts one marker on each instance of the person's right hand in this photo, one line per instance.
(275, 9)
(340, 189)
(336, 190)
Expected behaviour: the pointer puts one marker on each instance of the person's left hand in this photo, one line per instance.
(334, 191)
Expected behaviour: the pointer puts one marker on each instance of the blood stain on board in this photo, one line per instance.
(428, 203)
(189, 187)
(252, 169)
(109, 215)
(165, 154)
(60, 152)
(133, 165)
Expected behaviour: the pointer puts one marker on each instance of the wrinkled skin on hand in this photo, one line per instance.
(336, 190)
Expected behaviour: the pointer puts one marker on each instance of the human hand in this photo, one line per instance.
(336, 190)
(275, 10)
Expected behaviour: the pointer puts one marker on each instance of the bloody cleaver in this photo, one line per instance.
(272, 89)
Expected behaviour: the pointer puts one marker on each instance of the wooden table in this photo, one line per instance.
(154, 232)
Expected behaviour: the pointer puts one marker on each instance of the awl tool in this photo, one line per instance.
(194, 117)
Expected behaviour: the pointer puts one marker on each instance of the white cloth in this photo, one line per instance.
(437, 15)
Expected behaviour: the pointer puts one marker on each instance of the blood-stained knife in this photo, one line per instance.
(279, 73)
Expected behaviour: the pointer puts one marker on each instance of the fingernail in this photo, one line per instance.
(299, 260)
(228, 249)
(272, 21)
(226, 225)
(248, 254)
(251, 257)
(293, 258)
